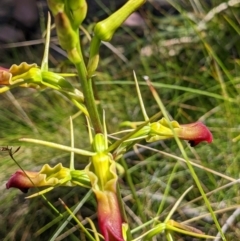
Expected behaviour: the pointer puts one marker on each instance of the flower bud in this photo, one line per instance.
(77, 11)
(68, 38)
(106, 28)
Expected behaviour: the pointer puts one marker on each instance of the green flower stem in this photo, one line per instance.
(87, 89)
(86, 83)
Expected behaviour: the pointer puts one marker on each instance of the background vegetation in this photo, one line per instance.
(193, 59)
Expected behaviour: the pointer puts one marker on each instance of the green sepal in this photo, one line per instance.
(161, 130)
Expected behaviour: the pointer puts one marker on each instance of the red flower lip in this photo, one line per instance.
(109, 216)
(21, 181)
(195, 133)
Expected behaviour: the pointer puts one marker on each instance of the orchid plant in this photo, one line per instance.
(100, 175)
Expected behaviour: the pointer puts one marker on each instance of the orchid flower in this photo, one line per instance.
(48, 177)
(194, 132)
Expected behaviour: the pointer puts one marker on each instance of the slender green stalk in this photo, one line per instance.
(59, 146)
(89, 97)
(72, 145)
(44, 65)
(123, 213)
(169, 236)
(76, 209)
(133, 190)
(167, 189)
(77, 221)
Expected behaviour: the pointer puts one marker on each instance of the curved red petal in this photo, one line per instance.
(195, 133)
(21, 181)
